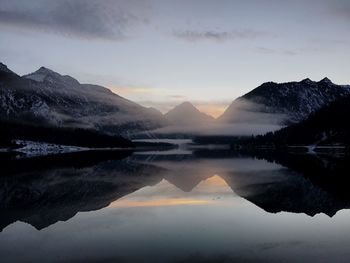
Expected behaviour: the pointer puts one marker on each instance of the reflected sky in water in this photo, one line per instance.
(196, 210)
(209, 192)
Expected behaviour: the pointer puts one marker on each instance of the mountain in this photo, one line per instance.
(327, 126)
(186, 113)
(48, 98)
(283, 103)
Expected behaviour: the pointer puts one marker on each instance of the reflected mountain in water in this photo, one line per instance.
(58, 187)
(279, 182)
(43, 191)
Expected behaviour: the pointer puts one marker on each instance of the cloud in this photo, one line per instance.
(102, 19)
(212, 108)
(163, 106)
(340, 8)
(243, 118)
(133, 90)
(270, 51)
(288, 52)
(220, 129)
(218, 36)
(177, 97)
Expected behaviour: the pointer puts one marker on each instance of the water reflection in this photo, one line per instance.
(219, 196)
(208, 192)
(42, 191)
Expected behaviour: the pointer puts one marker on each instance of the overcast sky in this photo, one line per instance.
(161, 52)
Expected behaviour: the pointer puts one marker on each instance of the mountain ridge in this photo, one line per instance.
(292, 101)
(48, 97)
(324, 127)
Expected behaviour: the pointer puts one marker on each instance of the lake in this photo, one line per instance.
(206, 206)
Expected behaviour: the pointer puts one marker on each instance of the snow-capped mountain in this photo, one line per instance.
(49, 98)
(186, 113)
(284, 103)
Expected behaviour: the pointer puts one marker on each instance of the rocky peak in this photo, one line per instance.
(326, 81)
(43, 70)
(186, 106)
(187, 113)
(46, 74)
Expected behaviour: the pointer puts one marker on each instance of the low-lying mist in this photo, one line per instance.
(242, 118)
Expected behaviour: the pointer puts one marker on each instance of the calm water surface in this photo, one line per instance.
(202, 207)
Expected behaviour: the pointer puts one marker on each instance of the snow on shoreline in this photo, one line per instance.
(31, 148)
(34, 149)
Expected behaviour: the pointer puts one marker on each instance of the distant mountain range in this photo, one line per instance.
(284, 103)
(266, 108)
(48, 98)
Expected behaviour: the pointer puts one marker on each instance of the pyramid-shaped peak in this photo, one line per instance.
(326, 81)
(184, 108)
(47, 72)
(186, 112)
(44, 70)
(186, 104)
(44, 73)
(40, 74)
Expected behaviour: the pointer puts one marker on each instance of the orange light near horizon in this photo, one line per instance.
(161, 99)
(125, 91)
(159, 202)
(214, 110)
